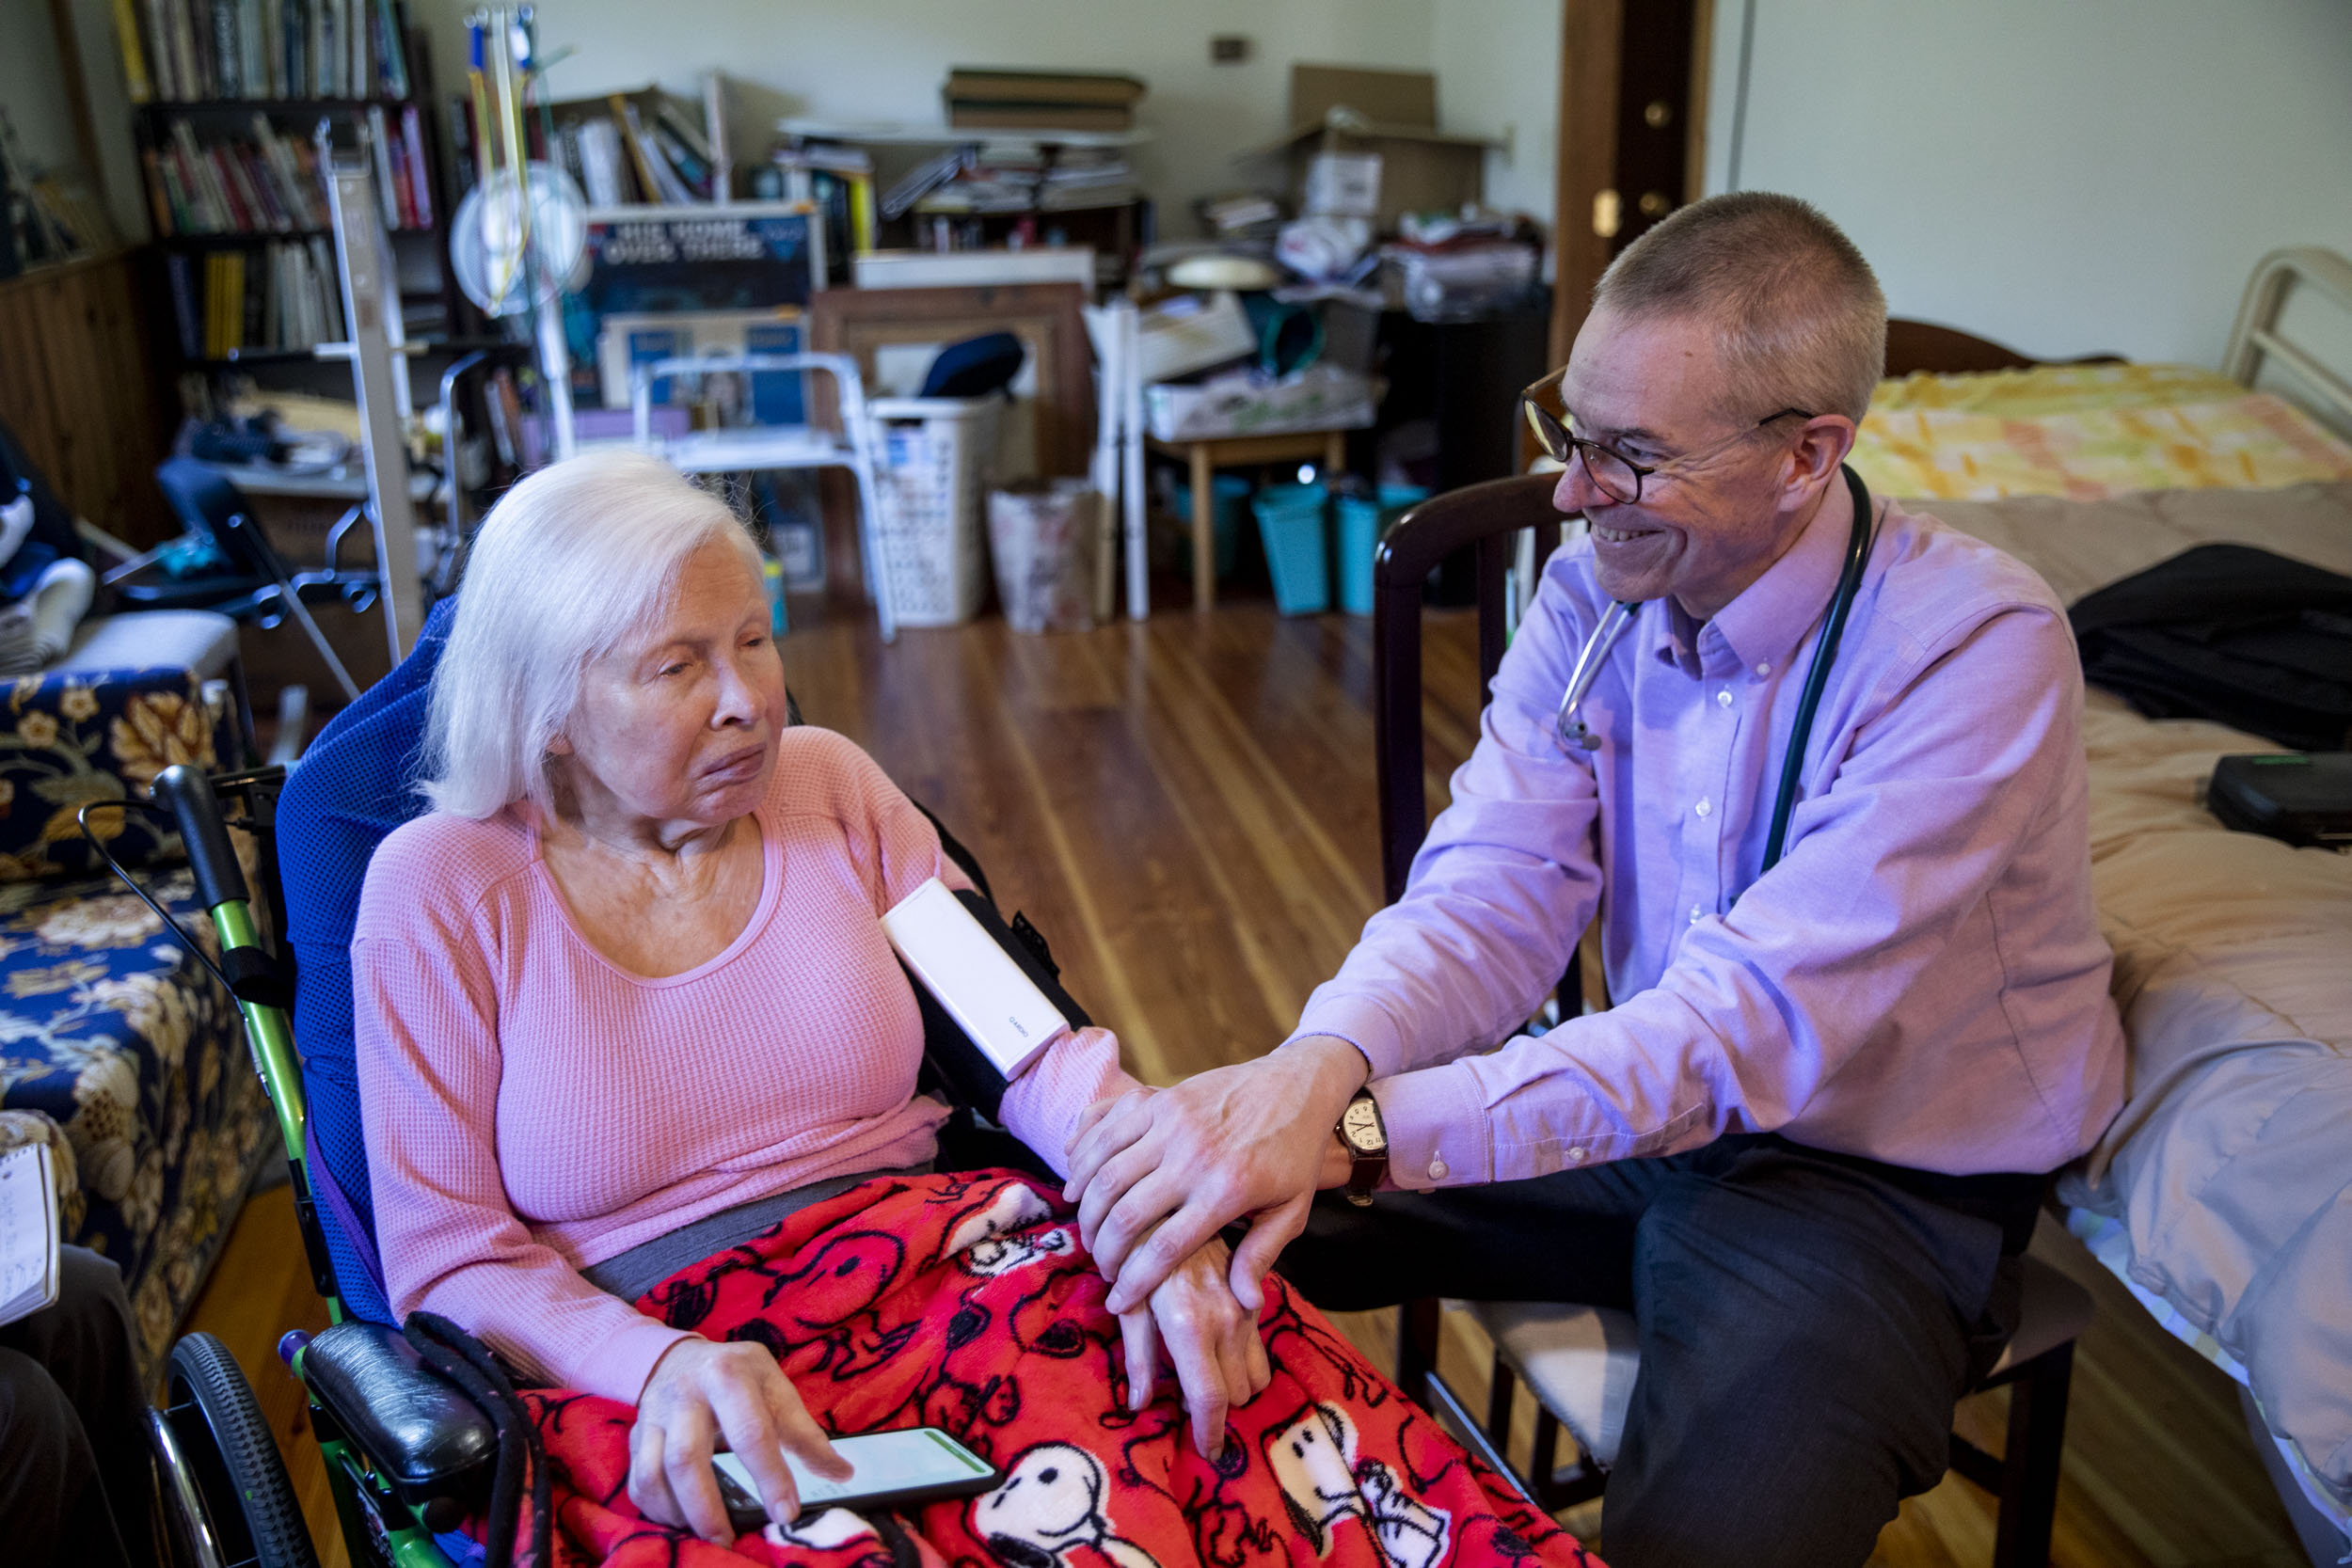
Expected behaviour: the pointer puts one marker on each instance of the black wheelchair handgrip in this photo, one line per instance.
(219, 878)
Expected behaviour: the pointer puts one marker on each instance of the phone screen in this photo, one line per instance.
(883, 1465)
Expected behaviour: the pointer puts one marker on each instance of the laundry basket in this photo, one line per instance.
(931, 461)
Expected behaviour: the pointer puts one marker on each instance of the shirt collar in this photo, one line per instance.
(1773, 613)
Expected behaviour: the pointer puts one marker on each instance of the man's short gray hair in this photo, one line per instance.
(1798, 318)
(568, 563)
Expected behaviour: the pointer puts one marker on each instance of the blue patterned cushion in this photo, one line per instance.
(108, 1027)
(77, 736)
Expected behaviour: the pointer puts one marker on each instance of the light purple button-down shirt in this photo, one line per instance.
(1921, 979)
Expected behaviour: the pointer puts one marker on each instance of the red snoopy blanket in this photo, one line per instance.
(965, 1301)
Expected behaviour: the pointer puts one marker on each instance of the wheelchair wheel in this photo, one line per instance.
(224, 1484)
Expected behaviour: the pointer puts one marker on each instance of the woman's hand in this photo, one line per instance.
(1210, 1339)
(698, 1393)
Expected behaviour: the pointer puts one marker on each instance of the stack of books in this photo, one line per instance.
(631, 149)
(985, 100)
(185, 51)
(1086, 177)
(280, 296)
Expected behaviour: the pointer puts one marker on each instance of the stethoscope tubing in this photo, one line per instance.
(1568, 726)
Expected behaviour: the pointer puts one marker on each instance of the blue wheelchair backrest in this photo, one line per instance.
(355, 783)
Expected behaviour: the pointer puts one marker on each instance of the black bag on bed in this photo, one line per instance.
(2231, 633)
(2304, 800)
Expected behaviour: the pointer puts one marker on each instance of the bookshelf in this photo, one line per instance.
(972, 196)
(228, 100)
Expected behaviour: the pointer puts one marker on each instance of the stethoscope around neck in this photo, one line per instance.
(1568, 724)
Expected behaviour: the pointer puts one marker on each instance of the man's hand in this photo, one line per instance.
(1179, 1165)
(1210, 1339)
(698, 1393)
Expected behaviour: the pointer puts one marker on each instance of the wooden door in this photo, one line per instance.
(1632, 101)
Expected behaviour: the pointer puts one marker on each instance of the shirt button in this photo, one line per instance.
(1575, 1156)
(1438, 1168)
(1765, 668)
(1698, 912)
(1722, 698)
(1704, 808)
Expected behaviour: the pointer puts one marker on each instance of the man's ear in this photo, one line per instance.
(1821, 446)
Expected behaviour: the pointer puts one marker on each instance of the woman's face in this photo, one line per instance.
(677, 724)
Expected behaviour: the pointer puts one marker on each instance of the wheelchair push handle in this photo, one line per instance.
(219, 880)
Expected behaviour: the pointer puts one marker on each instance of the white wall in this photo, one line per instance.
(2065, 179)
(1497, 65)
(31, 86)
(885, 59)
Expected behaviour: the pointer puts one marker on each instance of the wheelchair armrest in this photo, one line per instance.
(418, 1429)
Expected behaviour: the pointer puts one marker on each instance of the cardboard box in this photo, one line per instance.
(1392, 114)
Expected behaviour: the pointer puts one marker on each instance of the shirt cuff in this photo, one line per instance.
(618, 1367)
(1437, 1125)
(1363, 1023)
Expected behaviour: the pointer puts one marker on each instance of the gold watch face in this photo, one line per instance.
(1360, 1124)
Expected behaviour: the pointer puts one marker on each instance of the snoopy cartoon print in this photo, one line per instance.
(1314, 1459)
(1001, 1237)
(1048, 1513)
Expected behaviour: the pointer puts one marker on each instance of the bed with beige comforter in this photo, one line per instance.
(2223, 1193)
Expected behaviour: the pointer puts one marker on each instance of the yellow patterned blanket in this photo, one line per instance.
(2088, 432)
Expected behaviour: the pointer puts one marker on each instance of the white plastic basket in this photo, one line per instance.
(931, 468)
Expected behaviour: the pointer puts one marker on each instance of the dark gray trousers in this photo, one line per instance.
(75, 1478)
(1807, 1323)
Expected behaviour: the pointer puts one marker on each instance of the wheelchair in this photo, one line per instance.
(408, 1454)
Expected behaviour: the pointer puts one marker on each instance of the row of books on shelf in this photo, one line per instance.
(269, 182)
(634, 148)
(838, 182)
(282, 296)
(180, 51)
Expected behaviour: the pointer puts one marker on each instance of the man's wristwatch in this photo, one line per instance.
(1365, 1137)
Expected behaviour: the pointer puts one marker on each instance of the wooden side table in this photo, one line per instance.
(1204, 457)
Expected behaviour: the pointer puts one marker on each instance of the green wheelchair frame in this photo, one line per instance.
(225, 1484)
(400, 1479)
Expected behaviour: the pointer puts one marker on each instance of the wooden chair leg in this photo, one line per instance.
(2029, 1464)
(1501, 1386)
(1417, 1347)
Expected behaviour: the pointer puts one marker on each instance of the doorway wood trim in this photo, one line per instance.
(1592, 34)
(1592, 40)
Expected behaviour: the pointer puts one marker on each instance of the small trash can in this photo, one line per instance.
(1229, 497)
(1364, 521)
(1290, 520)
(1042, 542)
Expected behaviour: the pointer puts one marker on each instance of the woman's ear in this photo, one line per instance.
(559, 745)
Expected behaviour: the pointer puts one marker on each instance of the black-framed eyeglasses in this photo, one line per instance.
(1614, 473)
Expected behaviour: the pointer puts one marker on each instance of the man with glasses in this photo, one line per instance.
(1806, 1144)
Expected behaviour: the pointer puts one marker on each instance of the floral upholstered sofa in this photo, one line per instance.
(107, 1026)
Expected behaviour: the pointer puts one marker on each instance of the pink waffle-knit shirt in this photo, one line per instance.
(532, 1109)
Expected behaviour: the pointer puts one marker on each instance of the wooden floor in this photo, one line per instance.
(1185, 808)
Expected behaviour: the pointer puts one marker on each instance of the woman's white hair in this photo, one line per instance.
(570, 562)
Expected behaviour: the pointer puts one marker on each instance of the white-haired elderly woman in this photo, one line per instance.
(623, 997)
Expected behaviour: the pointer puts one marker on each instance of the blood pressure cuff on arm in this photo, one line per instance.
(960, 1066)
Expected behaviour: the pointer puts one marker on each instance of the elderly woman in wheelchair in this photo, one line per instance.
(624, 1001)
(638, 1073)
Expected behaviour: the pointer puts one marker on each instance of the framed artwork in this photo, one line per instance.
(893, 333)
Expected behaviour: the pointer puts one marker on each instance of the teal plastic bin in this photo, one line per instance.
(1363, 522)
(1290, 520)
(1229, 497)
